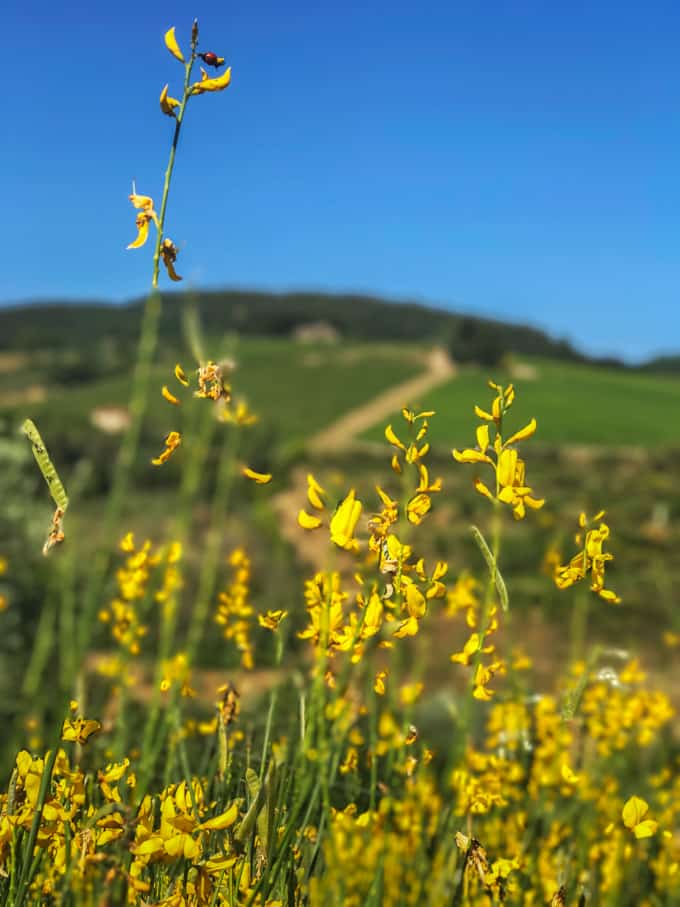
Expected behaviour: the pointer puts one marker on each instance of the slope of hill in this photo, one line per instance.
(575, 404)
(59, 325)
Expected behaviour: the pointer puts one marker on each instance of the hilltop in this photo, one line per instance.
(65, 324)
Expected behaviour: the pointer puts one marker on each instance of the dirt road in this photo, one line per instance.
(339, 435)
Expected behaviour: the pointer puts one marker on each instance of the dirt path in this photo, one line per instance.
(341, 433)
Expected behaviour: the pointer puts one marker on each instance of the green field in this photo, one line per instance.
(573, 404)
(296, 389)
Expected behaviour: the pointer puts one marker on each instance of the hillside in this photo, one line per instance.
(63, 324)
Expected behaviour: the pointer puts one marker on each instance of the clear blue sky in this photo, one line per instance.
(516, 159)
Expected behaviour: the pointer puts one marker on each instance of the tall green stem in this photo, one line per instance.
(146, 349)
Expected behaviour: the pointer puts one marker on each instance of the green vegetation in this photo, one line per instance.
(250, 675)
(296, 389)
(94, 326)
(578, 404)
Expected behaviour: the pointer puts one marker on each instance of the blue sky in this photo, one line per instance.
(514, 159)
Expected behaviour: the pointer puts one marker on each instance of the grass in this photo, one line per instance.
(296, 389)
(576, 404)
(373, 737)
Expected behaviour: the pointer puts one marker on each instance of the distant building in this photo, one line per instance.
(316, 332)
(110, 419)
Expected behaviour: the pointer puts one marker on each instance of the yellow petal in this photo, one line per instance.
(142, 232)
(181, 376)
(523, 433)
(260, 478)
(645, 829)
(172, 45)
(141, 202)
(415, 601)
(224, 820)
(634, 811)
(482, 489)
(484, 694)
(482, 414)
(150, 846)
(507, 467)
(418, 507)
(408, 627)
(167, 103)
(483, 437)
(79, 730)
(470, 456)
(344, 521)
(385, 498)
(568, 775)
(314, 498)
(441, 569)
(392, 438)
(216, 84)
(168, 396)
(307, 521)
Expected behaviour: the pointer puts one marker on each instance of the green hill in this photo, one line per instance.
(574, 403)
(60, 325)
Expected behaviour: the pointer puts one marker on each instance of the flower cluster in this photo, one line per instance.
(591, 559)
(343, 521)
(235, 614)
(413, 453)
(509, 486)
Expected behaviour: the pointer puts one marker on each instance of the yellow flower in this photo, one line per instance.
(167, 103)
(315, 493)
(512, 489)
(171, 398)
(307, 521)
(223, 821)
(172, 442)
(501, 456)
(591, 559)
(79, 730)
(410, 693)
(181, 376)
(218, 83)
(344, 522)
(633, 815)
(568, 775)
(272, 619)
(144, 204)
(240, 415)
(260, 478)
(172, 45)
(212, 381)
(418, 508)
(169, 255)
(470, 649)
(379, 683)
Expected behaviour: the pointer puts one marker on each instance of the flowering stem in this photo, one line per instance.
(29, 866)
(210, 564)
(171, 164)
(148, 340)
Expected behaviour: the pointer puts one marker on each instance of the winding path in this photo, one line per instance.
(341, 434)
